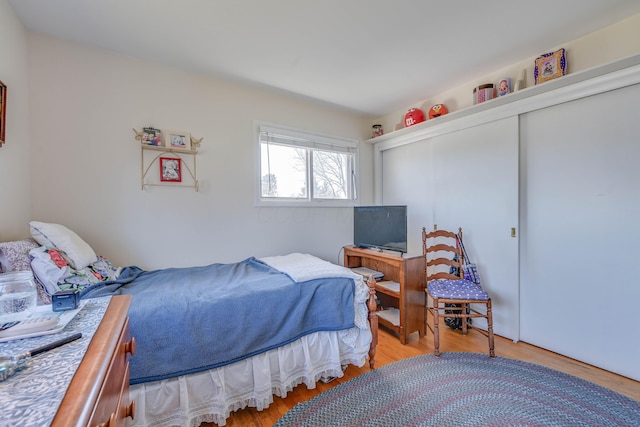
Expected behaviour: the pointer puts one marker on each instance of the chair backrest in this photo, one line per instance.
(441, 251)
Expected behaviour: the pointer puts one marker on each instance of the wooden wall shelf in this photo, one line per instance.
(189, 164)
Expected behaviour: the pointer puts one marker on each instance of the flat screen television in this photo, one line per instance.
(383, 227)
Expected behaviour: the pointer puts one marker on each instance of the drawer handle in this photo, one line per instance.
(130, 347)
(130, 411)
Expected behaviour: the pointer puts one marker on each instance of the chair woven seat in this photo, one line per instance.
(457, 289)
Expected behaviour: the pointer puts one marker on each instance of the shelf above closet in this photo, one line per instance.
(588, 82)
(604, 78)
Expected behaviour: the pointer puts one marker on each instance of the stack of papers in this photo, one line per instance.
(44, 312)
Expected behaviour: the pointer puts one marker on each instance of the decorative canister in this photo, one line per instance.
(18, 295)
(504, 86)
(377, 131)
(413, 117)
(437, 111)
(483, 93)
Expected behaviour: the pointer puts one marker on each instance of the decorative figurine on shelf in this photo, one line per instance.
(521, 83)
(437, 111)
(413, 117)
(195, 142)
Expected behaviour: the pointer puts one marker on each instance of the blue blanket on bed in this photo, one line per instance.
(187, 320)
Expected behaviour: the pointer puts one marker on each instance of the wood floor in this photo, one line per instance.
(390, 350)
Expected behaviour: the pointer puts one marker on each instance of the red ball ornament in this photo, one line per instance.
(413, 117)
(437, 111)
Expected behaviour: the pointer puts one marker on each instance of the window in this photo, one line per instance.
(301, 168)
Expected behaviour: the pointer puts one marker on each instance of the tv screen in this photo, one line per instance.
(383, 227)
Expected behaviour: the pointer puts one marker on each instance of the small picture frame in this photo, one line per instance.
(152, 136)
(170, 169)
(550, 66)
(178, 140)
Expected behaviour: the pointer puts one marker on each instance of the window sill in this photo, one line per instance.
(306, 204)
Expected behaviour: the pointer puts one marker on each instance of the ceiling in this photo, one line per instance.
(368, 56)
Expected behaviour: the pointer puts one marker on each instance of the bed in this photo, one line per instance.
(227, 336)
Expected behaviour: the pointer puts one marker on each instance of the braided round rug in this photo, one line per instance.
(464, 389)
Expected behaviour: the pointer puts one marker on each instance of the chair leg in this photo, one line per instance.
(436, 327)
(426, 315)
(463, 313)
(492, 352)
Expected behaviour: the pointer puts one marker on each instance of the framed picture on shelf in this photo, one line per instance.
(170, 169)
(549, 66)
(178, 140)
(152, 136)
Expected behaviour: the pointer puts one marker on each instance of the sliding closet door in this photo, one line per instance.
(580, 236)
(476, 187)
(407, 180)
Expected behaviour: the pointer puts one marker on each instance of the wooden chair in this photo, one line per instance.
(442, 251)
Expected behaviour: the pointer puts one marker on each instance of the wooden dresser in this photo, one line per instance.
(98, 394)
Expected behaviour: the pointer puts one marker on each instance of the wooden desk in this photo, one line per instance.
(403, 307)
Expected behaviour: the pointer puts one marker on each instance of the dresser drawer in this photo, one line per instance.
(110, 408)
(98, 394)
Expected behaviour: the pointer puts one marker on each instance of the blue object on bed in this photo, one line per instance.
(192, 319)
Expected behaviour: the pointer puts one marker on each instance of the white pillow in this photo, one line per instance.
(77, 252)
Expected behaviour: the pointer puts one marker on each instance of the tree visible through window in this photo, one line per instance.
(330, 175)
(299, 167)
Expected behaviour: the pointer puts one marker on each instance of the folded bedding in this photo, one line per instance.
(56, 274)
(192, 319)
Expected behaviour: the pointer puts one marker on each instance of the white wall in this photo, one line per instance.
(14, 155)
(87, 172)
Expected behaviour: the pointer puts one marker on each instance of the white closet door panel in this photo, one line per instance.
(407, 180)
(476, 188)
(580, 235)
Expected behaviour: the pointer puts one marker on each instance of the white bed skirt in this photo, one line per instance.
(210, 396)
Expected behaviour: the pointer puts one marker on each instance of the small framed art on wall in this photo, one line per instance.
(170, 169)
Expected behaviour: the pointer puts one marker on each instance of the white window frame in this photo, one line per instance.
(313, 141)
